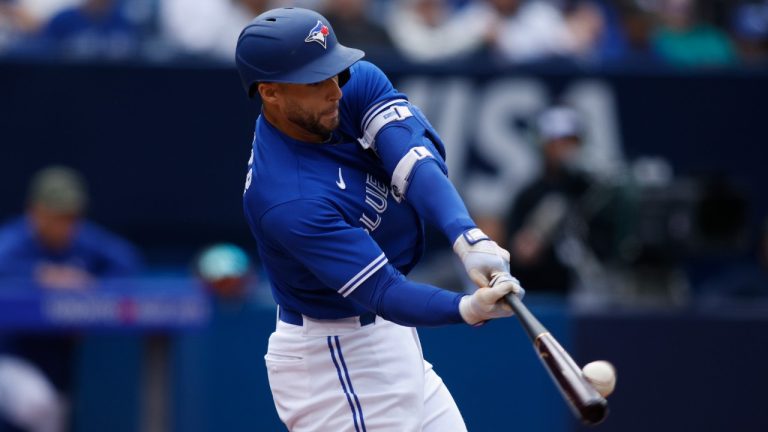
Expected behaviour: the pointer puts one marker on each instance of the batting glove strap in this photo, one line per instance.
(481, 256)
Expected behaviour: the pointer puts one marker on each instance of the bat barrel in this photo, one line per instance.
(584, 400)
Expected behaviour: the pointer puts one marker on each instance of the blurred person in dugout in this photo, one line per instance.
(55, 248)
(230, 276)
(560, 223)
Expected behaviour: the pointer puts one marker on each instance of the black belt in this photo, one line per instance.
(296, 318)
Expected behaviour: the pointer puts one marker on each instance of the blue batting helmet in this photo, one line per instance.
(290, 45)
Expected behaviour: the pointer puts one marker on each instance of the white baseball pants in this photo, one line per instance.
(339, 376)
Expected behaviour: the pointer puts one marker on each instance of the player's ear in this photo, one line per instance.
(267, 91)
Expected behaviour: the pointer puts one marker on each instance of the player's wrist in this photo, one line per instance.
(467, 239)
(468, 313)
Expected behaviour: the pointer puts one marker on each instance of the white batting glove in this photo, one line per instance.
(488, 303)
(481, 256)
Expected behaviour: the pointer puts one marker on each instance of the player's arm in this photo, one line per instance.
(390, 295)
(347, 259)
(410, 150)
(413, 155)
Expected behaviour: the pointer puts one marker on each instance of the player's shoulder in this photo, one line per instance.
(366, 69)
(365, 76)
(367, 86)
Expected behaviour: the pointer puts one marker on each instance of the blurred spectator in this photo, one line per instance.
(432, 31)
(637, 24)
(683, 39)
(551, 208)
(208, 27)
(15, 22)
(23, 18)
(232, 278)
(225, 270)
(749, 24)
(53, 246)
(93, 28)
(531, 30)
(44, 10)
(352, 25)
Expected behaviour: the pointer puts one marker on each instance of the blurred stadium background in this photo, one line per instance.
(652, 252)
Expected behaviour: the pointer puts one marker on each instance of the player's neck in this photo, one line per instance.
(289, 128)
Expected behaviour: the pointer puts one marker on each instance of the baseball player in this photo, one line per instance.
(343, 173)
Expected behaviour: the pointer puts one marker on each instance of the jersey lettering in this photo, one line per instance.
(376, 197)
(369, 224)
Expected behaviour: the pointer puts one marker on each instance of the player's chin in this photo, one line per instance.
(330, 123)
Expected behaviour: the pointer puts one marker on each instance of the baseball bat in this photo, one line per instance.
(585, 402)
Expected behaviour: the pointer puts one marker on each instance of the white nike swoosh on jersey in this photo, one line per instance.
(340, 182)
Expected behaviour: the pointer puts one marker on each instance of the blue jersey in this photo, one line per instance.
(325, 216)
(93, 250)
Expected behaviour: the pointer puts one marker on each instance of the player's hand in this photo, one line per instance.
(488, 303)
(481, 256)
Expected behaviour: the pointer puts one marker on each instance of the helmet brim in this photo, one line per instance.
(336, 61)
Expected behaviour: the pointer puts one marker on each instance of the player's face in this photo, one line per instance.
(312, 108)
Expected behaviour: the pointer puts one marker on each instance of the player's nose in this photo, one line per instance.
(334, 91)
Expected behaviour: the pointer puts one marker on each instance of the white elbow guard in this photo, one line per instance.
(378, 117)
(404, 169)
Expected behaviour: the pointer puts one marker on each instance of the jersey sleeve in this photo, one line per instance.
(314, 233)
(367, 88)
(409, 148)
(346, 259)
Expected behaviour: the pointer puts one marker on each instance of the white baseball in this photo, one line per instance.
(602, 376)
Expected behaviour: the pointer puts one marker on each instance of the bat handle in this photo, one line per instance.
(532, 326)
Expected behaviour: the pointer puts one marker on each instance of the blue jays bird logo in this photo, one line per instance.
(319, 34)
